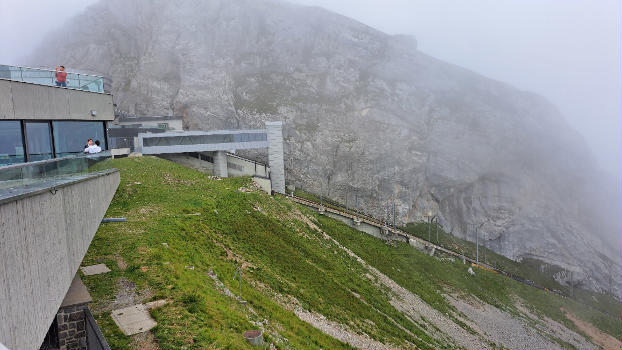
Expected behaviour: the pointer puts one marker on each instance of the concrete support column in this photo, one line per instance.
(71, 317)
(72, 327)
(220, 164)
(275, 155)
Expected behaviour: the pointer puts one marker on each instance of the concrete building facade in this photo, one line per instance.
(51, 204)
(275, 155)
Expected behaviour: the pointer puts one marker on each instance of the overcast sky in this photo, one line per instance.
(566, 50)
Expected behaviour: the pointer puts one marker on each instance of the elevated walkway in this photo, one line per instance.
(219, 142)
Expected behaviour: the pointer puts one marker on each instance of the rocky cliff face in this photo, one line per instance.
(367, 116)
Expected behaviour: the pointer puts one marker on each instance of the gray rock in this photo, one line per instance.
(366, 114)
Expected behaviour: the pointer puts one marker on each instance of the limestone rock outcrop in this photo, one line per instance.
(367, 116)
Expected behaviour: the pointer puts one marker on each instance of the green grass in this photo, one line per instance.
(532, 269)
(429, 278)
(284, 256)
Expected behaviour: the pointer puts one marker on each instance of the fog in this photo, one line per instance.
(568, 51)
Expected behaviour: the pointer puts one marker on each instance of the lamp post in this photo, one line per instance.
(477, 245)
(436, 228)
(393, 202)
(429, 216)
(476, 240)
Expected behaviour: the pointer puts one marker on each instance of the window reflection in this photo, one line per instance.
(203, 139)
(70, 136)
(11, 146)
(38, 141)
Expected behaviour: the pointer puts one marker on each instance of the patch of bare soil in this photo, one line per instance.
(600, 338)
(144, 341)
(232, 256)
(120, 262)
(500, 327)
(332, 328)
(127, 295)
(340, 332)
(170, 180)
(413, 307)
(296, 214)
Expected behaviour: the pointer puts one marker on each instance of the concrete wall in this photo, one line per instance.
(173, 124)
(236, 166)
(263, 183)
(20, 100)
(367, 228)
(220, 164)
(43, 239)
(275, 155)
(243, 167)
(190, 162)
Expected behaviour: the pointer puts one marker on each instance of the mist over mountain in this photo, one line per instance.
(367, 115)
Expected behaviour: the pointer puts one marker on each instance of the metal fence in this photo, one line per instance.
(79, 81)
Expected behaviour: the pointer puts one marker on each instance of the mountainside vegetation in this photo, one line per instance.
(364, 112)
(308, 281)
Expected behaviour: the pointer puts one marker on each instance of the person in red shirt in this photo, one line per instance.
(61, 76)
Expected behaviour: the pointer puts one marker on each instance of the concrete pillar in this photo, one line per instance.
(71, 318)
(220, 164)
(275, 155)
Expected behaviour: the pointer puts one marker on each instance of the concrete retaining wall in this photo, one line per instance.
(242, 167)
(367, 228)
(263, 183)
(20, 100)
(43, 239)
(236, 166)
(190, 162)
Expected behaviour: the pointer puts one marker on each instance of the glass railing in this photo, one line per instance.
(27, 177)
(78, 81)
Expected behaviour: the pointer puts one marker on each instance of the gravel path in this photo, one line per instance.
(557, 330)
(501, 327)
(340, 332)
(412, 306)
(493, 327)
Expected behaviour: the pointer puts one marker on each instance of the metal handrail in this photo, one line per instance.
(51, 70)
(44, 76)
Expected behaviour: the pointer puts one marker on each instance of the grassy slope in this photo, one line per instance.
(159, 199)
(286, 257)
(532, 269)
(535, 270)
(427, 276)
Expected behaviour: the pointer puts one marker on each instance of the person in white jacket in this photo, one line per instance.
(96, 148)
(89, 144)
(92, 148)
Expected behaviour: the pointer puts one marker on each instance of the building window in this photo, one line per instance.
(38, 141)
(11, 144)
(163, 126)
(70, 136)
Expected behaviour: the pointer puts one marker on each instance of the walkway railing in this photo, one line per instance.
(79, 81)
(21, 179)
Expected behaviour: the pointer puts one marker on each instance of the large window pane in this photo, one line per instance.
(70, 137)
(38, 141)
(11, 146)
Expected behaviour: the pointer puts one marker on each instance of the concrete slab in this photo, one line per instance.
(94, 269)
(134, 319)
(77, 293)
